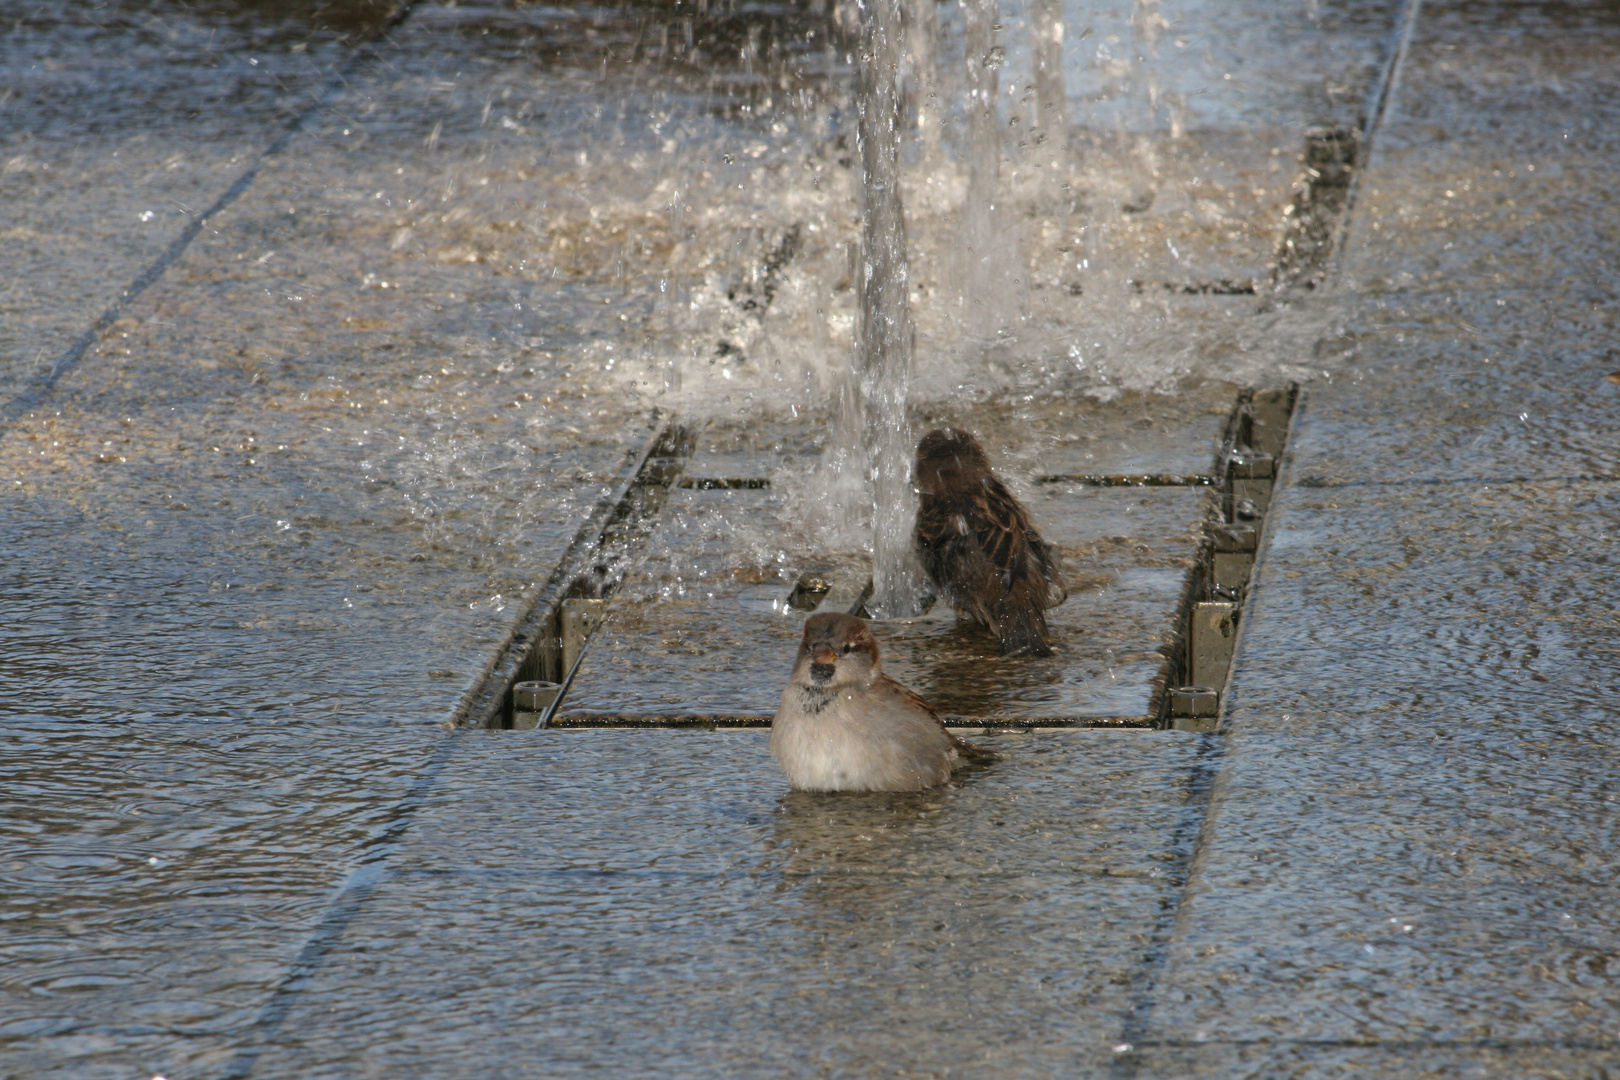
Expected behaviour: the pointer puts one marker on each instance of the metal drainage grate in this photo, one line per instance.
(1212, 607)
(555, 629)
(529, 687)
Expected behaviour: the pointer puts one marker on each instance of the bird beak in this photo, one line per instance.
(821, 653)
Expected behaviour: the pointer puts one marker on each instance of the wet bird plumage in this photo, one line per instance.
(843, 725)
(979, 546)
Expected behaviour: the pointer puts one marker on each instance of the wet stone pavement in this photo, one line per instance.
(264, 530)
(706, 614)
(1408, 863)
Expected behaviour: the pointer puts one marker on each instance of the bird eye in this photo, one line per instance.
(848, 649)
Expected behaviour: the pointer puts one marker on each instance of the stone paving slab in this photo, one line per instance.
(156, 879)
(271, 971)
(1417, 839)
(1418, 1060)
(1127, 556)
(121, 124)
(657, 903)
(278, 484)
(703, 627)
(1407, 867)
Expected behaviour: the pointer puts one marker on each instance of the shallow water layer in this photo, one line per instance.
(298, 491)
(737, 927)
(674, 881)
(704, 627)
(380, 390)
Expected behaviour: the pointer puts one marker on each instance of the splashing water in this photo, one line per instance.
(884, 356)
(1076, 206)
(984, 156)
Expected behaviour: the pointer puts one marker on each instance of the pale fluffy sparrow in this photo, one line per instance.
(845, 726)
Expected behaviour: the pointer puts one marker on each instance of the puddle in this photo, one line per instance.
(323, 467)
(705, 628)
(702, 631)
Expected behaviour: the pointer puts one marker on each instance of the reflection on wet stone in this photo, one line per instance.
(654, 911)
(263, 535)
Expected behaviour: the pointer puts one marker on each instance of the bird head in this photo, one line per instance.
(837, 650)
(949, 459)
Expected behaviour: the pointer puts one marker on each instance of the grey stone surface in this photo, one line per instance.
(1407, 868)
(1416, 840)
(278, 484)
(118, 125)
(657, 903)
(156, 879)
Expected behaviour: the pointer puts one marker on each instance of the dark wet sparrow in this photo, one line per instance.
(846, 726)
(979, 546)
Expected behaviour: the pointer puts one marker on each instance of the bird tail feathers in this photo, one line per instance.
(1023, 631)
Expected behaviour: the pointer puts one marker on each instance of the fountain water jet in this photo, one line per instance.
(922, 35)
(984, 146)
(1051, 106)
(884, 350)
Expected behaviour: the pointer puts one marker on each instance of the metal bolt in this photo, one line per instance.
(1214, 629)
(580, 617)
(847, 594)
(1194, 701)
(1253, 466)
(1255, 492)
(1235, 538)
(530, 700)
(1234, 555)
(810, 589)
(1246, 510)
(1194, 708)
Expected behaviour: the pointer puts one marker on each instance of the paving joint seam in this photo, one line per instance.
(520, 654)
(357, 888)
(542, 875)
(1404, 1045)
(1188, 835)
(595, 719)
(1194, 826)
(31, 396)
(1311, 483)
(1383, 91)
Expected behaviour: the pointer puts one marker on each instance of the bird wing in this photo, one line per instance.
(911, 698)
(936, 522)
(967, 750)
(1010, 541)
(951, 555)
(999, 525)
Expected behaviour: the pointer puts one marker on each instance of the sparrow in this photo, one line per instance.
(980, 547)
(845, 726)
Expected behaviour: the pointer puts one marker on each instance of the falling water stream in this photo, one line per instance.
(884, 356)
(983, 58)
